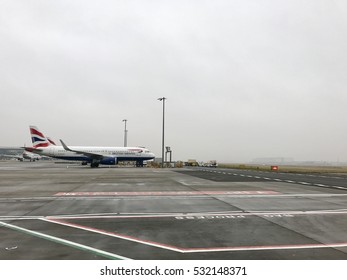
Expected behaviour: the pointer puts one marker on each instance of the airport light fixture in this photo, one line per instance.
(163, 133)
(125, 133)
(168, 151)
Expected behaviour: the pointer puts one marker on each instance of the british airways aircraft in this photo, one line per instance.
(25, 155)
(93, 155)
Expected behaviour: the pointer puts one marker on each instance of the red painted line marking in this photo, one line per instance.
(270, 247)
(197, 250)
(116, 235)
(170, 193)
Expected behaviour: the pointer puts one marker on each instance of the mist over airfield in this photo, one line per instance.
(243, 79)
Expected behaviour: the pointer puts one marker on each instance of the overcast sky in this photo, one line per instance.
(243, 78)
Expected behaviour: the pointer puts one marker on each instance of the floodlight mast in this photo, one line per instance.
(163, 132)
(125, 133)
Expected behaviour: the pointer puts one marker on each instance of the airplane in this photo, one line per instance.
(25, 155)
(30, 156)
(93, 155)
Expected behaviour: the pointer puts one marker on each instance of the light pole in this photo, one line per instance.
(163, 135)
(125, 133)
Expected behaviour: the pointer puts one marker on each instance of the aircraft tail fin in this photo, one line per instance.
(38, 139)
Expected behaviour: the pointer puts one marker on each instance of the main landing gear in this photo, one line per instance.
(94, 164)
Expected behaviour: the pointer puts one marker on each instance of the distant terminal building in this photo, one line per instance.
(10, 151)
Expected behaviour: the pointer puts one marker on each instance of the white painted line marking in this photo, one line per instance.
(184, 183)
(63, 241)
(169, 215)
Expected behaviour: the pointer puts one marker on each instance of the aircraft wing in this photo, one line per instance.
(88, 154)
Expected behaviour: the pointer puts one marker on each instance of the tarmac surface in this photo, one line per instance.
(67, 211)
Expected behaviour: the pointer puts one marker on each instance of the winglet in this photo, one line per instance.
(65, 146)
